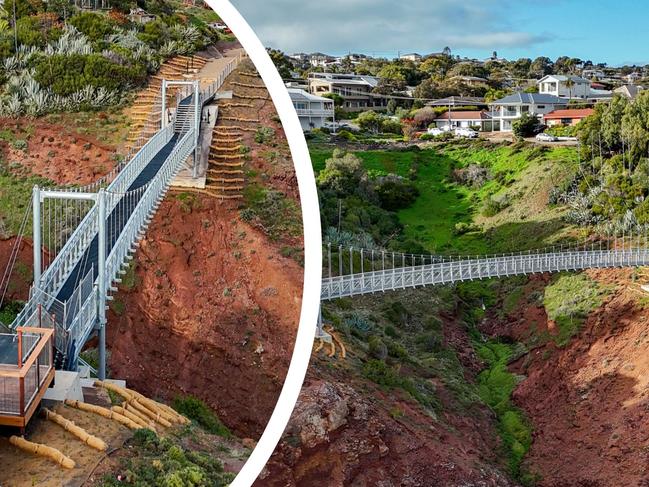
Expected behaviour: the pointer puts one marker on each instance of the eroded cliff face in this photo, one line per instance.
(588, 402)
(211, 310)
(347, 430)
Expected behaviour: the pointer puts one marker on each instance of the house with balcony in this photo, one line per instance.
(510, 108)
(564, 86)
(357, 91)
(480, 120)
(313, 111)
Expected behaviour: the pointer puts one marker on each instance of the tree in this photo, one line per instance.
(428, 89)
(392, 106)
(282, 63)
(493, 94)
(437, 66)
(467, 69)
(611, 121)
(526, 126)
(635, 126)
(447, 51)
(338, 100)
(541, 66)
(570, 84)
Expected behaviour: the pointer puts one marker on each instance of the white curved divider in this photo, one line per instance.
(312, 241)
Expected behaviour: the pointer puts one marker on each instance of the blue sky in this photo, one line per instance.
(615, 32)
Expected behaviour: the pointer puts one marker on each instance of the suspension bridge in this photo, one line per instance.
(85, 237)
(350, 271)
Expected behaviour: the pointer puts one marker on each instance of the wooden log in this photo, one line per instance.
(43, 451)
(83, 435)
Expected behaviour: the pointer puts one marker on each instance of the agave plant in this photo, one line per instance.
(12, 65)
(71, 42)
(12, 106)
(37, 103)
(186, 34)
(169, 48)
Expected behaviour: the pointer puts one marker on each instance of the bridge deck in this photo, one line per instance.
(116, 222)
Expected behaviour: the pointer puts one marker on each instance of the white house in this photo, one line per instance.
(313, 111)
(559, 85)
(597, 74)
(357, 90)
(633, 78)
(480, 119)
(413, 56)
(509, 109)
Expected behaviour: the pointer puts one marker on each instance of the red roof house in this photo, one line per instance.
(567, 116)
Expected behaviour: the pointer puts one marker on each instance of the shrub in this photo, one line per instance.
(93, 25)
(395, 192)
(462, 228)
(264, 134)
(494, 205)
(381, 373)
(370, 121)
(473, 175)
(67, 74)
(377, 349)
(198, 411)
(346, 135)
(390, 126)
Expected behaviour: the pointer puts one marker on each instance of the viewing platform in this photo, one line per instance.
(26, 372)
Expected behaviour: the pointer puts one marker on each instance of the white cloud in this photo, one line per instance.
(384, 25)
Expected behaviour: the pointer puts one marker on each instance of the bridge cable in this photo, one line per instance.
(6, 277)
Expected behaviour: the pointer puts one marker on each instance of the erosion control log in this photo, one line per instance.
(106, 413)
(42, 450)
(136, 419)
(77, 431)
(152, 415)
(155, 407)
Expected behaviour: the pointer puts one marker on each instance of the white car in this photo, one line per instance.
(543, 137)
(435, 131)
(335, 125)
(466, 132)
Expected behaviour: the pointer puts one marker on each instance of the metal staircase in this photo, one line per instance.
(70, 294)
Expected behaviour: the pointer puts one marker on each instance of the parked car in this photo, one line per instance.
(335, 125)
(543, 137)
(466, 132)
(436, 131)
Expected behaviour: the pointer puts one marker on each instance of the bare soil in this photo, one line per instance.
(54, 152)
(588, 402)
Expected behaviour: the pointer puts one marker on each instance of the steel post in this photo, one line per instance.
(36, 232)
(101, 283)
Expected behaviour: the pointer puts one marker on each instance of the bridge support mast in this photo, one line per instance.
(197, 125)
(163, 114)
(36, 232)
(101, 283)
